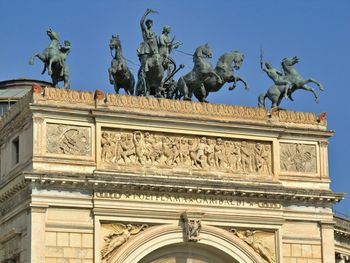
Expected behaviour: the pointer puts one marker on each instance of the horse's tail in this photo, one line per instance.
(132, 84)
(261, 100)
(44, 69)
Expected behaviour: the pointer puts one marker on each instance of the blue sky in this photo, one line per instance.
(315, 30)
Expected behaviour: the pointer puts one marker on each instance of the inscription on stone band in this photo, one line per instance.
(297, 157)
(66, 139)
(189, 199)
(158, 150)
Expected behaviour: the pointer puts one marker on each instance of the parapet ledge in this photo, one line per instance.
(165, 107)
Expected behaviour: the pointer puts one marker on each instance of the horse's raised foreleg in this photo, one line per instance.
(111, 71)
(319, 85)
(308, 88)
(243, 81)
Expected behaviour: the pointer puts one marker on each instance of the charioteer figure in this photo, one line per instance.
(149, 46)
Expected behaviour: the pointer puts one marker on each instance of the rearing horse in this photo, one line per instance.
(225, 71)
(276, 92)
(50, 54)
(54, 58)
(296, 79)
(119, 73)
(194, 80)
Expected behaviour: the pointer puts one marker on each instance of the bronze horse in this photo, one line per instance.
(119, 74)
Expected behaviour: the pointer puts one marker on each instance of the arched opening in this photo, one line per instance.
(188, 252)
(166, 242)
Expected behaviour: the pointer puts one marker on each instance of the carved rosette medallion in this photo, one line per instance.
(262, 242)
(67, 139)
(163, 150)
(115, 235)
(297, 157)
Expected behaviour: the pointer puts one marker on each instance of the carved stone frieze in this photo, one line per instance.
(115, 235)
(67, 139)
(262, 242)
(120, 147)
(297, 157)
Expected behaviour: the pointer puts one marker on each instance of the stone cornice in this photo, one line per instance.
(342, 227)
(16, 109)
(109, 184)
(12, 187)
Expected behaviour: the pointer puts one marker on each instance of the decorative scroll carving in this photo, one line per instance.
(69, 96)
(256, 240)
(298, 157)
(117, 235)
(172, 151)
(66, 139)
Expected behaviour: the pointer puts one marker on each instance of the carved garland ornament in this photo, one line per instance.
(205, 153)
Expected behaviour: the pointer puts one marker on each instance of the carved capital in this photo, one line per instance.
(323, 143)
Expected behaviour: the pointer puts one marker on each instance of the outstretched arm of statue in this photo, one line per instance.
(143, 18)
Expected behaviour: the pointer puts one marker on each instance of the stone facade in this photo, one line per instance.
(95, 178)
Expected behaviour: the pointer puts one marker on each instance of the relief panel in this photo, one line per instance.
(115, 235)
(68, 139)
(298, 157)
(262, 242)
(161, 150)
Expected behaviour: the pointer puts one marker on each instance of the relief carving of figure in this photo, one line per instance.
(219, 152)
(145, 148)
(193, 229)
(127, 147)
(107, 152)
(201, 150)
(184, 150)
(139, 145)
(248, 237)
(246, 155)
(120, 233)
